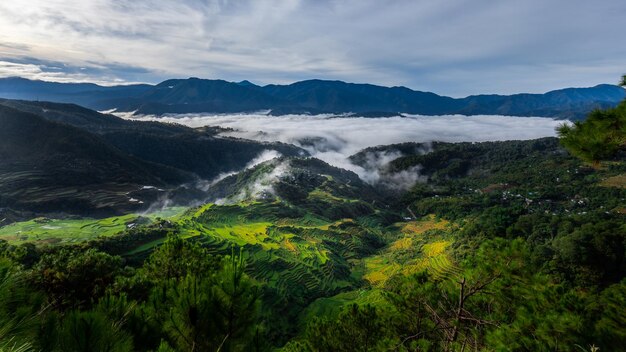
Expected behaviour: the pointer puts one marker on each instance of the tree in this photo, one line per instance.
(609, 329)
(177, 258)
(75, 278)
(92, 331)
(204, 311)
(599, 137)
(17, 318)
(355, 329)
(237, 303)
(191, 322)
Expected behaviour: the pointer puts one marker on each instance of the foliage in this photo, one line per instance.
(92, 331)
(177, 258)
(75, 278)
(356, 329)
(599, 137)
(506, 246)
(17, 310)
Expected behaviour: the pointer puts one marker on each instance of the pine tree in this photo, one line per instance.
(237, 298)
(599, 137)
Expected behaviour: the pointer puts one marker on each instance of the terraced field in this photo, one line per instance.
(51, 231)
(421, 246)
(62, 231)
(295, 253)
(331, 306)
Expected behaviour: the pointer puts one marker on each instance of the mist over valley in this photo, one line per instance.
(334, 139)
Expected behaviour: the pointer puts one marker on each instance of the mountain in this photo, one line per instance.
(66, 158)
(341, 97)
(305, 183)
(49, 166)
(85, 94)
(572, 103)
(195, 95)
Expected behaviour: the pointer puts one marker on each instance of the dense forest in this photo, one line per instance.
(503, 246)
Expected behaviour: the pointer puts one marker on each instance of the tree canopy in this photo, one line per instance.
(600, 137)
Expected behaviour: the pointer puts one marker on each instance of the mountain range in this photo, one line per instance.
(195, 95)
(68, 159)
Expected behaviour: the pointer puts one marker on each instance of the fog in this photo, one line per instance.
(334, 138)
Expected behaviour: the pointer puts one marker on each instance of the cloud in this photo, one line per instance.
(264, 156)
(58, 72)
(453, 47)
(375, 170)
(261, 187)
(334, 139)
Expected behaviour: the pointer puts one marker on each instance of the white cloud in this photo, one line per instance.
(264, 156)
(334, 139)
(261, 187)
(51, 74)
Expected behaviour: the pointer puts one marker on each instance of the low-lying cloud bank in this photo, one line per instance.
(333, 139)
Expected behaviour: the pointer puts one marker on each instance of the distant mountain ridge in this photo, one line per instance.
(194, 95)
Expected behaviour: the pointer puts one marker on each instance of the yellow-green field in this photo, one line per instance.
(420, 248)
(57, 231)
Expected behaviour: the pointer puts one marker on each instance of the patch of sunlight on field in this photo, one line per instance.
(618, 181)
(201, 210)
(52, 231)
(378, 269)
(331, 306)
(415, 266)
(401, 244)
(412, 253)
(420, 226)
(307, 250)
(60, 231)
(435, 248)
(290, 246)
(244, 234)
(324, 196)
(336, 223)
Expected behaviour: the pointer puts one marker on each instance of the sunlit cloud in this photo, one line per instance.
(56, 73)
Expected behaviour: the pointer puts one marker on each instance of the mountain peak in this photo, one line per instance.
(247, 83)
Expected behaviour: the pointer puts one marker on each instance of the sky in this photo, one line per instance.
(450, 47)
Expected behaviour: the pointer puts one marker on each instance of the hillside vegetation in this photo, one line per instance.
(501, 246)
(60, 158)
(506, 234)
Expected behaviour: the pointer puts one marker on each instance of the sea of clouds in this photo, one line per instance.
(334, 138)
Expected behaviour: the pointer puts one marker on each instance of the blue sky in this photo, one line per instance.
(451, 47)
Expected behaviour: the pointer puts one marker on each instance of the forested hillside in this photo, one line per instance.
(507, 246)
(62, 158)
